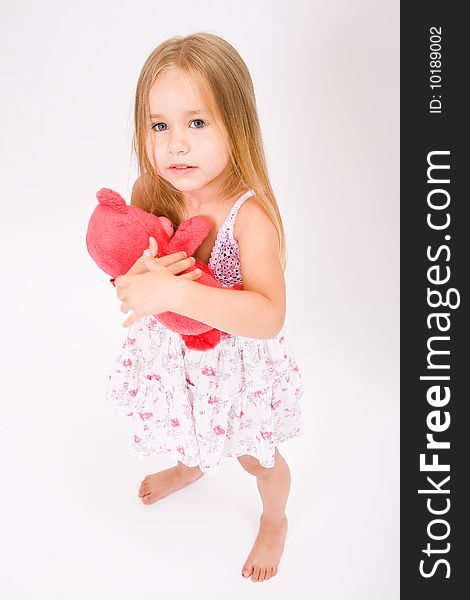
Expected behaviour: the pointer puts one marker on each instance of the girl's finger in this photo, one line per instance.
(181, 265)
(153, 246)
(192, 274)
(132, 318)
(129, 322)
(169, 259)
(125, 308)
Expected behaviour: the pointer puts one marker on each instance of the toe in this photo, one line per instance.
(247, 569)
(255, 574)
(274, 571)
(262, 574)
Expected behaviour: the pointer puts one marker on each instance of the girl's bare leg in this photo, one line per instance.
(273, 485)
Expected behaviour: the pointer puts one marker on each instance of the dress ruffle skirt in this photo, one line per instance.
(241, 397)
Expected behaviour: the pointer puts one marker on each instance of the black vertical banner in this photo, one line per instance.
(434, 304)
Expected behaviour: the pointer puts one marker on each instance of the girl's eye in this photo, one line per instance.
(156, 126)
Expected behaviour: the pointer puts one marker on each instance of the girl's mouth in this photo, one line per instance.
(182, 170)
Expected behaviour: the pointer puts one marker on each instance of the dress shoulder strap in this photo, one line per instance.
(230, 221)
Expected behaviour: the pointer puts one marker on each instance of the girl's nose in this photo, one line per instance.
(178, 143)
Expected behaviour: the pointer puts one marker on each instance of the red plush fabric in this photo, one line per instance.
(118, 234)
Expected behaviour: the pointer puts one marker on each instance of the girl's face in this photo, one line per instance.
(179, 137)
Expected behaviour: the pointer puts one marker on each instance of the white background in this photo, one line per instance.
(327, 88)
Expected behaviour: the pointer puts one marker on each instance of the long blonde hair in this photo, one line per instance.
(219, 73)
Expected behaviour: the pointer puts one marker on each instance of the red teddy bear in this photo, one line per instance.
(118, 234)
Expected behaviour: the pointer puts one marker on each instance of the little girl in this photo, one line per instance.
(200, 152)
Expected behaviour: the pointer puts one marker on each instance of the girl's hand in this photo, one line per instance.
(149, 292)
(175, 262)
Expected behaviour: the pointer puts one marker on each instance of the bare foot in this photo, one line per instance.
(159, 485)
(264, 558)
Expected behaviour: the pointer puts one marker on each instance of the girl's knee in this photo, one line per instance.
(253, 466)
(250, 464)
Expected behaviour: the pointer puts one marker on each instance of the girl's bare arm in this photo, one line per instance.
(257, 311)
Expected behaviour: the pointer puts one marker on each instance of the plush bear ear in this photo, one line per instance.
(158, 227)
(189, 235)
(108, 197)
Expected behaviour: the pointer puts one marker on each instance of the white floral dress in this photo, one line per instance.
(240, 397)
